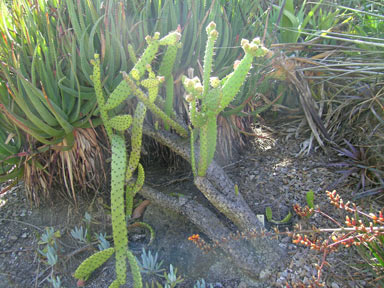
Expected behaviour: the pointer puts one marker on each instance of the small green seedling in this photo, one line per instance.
(268, 213)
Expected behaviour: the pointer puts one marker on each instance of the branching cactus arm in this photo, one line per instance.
(216, 94)
(208, 57)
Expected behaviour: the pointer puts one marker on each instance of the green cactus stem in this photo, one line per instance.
(100, 94)
(119, 228)
(154, 109)
(208, 135)
(131, 190)
(236, 79)
(208, 56)
(120, 122)
(193, 162)
(92, 263)
(135, 270)
(165, 70)
(136, 139)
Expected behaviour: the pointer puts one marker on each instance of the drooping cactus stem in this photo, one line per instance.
(92, 263)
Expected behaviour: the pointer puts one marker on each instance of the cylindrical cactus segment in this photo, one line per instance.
(171, 39)
(212, 101)
(100, 94)
(131, 190)
(92, 263)
(147, 57)
(140, 179)
(165, 69)
(154, 109)
(192, 142)
(121, 92)
(208, 134)
(119, 228)
(203, 152)
(135, 270)
(136, 139)
(212, 135)
(232, 85)
(208, 56)
(152, 85)
(115, 284)
(120, 122)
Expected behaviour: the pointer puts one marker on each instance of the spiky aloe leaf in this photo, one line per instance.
(119, 228)
(135, 270)
(132, 54)
(120, 122)
(92, 263)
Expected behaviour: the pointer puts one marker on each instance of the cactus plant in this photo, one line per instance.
(122, 169)
(214, 95)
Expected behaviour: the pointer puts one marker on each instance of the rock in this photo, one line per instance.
(335, 285)
(13, 238)
(242, 285)
(24, 235)
(265, 274)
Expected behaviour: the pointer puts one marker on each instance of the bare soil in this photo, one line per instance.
(268, 173)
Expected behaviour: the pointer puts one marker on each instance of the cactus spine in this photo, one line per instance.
(215, 94)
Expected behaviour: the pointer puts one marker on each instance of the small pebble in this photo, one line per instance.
(13, 237)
